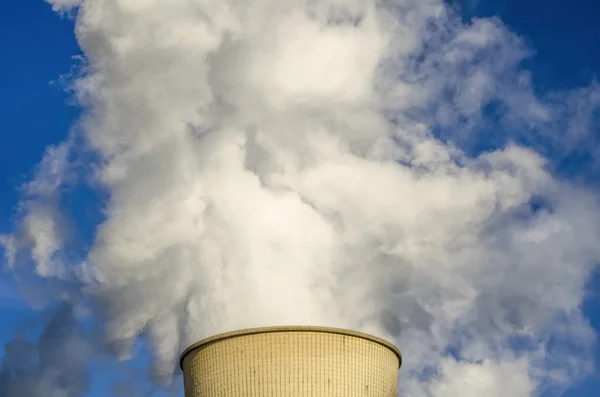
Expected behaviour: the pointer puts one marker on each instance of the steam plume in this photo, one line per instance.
(279, 162)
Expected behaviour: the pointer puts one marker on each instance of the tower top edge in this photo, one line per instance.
(291, 328)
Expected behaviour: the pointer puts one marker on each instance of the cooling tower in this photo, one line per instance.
(291, 362)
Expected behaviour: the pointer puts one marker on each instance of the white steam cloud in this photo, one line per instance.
(276, 162)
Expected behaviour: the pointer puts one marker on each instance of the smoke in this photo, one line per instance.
(55, 365)
(315, 162)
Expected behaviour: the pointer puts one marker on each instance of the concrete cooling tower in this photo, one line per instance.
(291, 362)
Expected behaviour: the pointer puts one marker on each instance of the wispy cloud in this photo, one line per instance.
(55, 364)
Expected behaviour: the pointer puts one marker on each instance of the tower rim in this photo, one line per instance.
(290, 328)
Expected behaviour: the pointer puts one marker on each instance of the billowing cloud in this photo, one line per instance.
(311, 162)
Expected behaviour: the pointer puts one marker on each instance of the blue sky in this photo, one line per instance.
(38, 46)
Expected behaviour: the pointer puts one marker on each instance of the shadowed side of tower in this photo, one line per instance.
(291, 361)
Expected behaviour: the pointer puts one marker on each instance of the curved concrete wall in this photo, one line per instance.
(291, 362)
